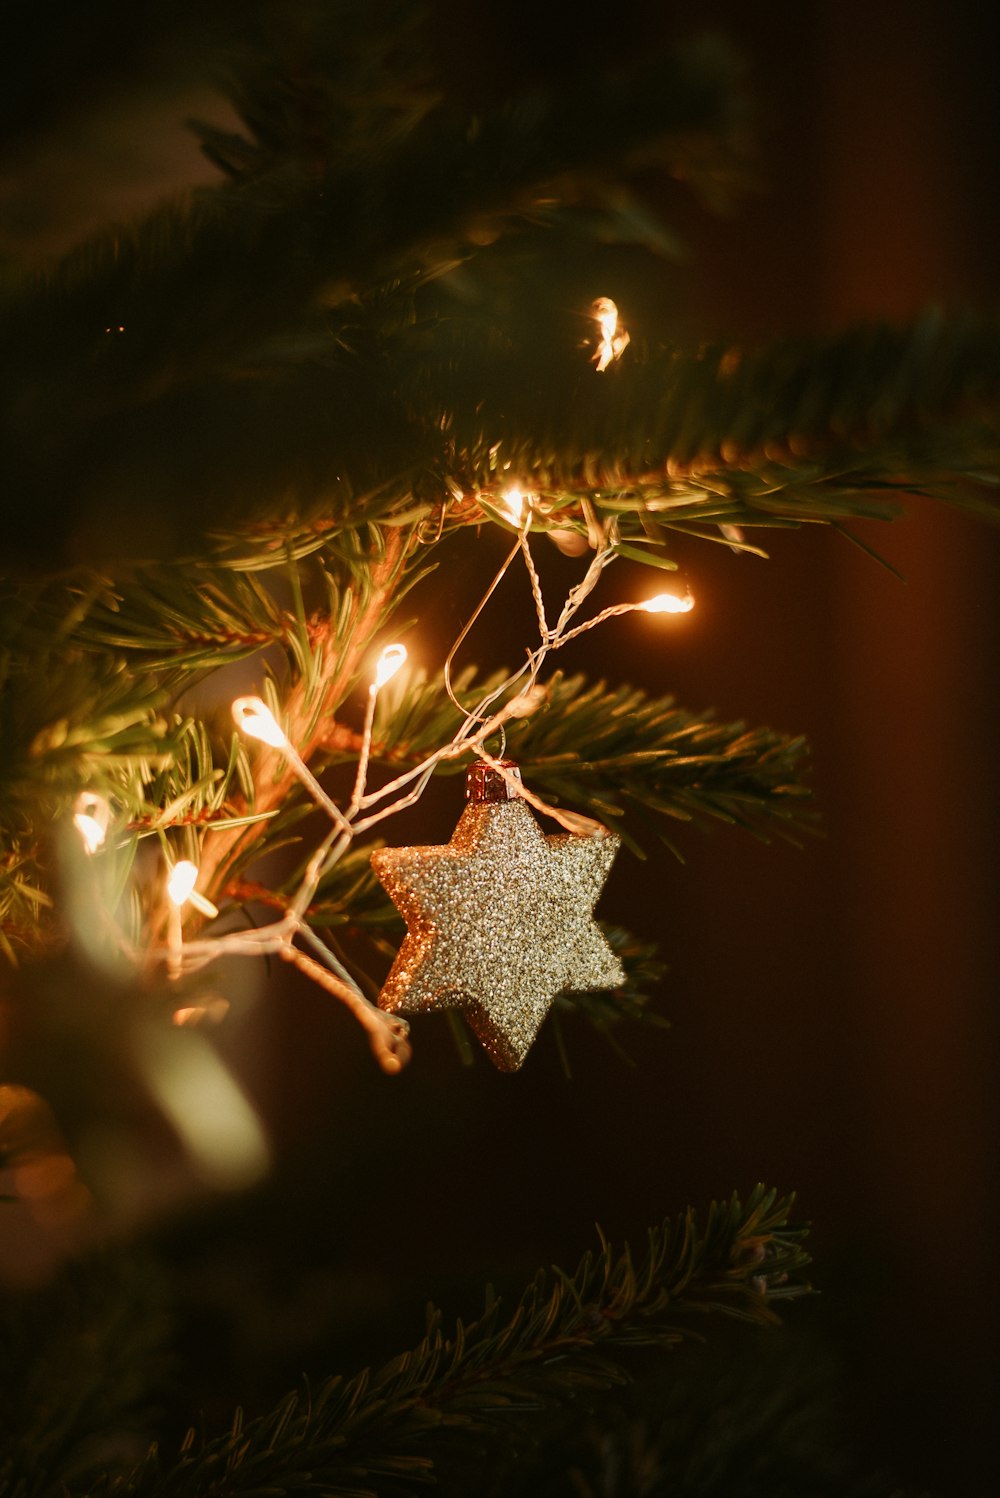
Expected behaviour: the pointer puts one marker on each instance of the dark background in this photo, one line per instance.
(833, 1009)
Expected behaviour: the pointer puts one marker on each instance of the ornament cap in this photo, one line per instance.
(484, 785)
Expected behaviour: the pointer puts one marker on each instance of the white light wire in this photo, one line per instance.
(387, 1033)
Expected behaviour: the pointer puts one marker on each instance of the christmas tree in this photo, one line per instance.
(313, 469)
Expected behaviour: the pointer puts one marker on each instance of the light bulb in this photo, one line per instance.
(517, 503)
(257, 719)
(181, 883)
(90, 818)
(667, 603)
(614, 339)
(388, 664)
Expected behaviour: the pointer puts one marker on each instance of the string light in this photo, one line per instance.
(181, 883)
(257, 719)
(253, 717)
(91, 815)
(386, 667)
(614, 338)
(517, 504)
(667, 603)
(389, 662)
(663, 603)
(282, 937)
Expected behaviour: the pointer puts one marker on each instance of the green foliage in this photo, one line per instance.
(283, 391)
(183, 620)
(238, 375)
(90, 675)
(217, 425)
(232, 356)
(619, 752)
(458, 1403)
(25, 906)
(687, 439)
(645, 754)
(68, 718)
(277, 381)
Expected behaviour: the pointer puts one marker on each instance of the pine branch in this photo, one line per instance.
(169, 772)
(282, 382)
(181, 323)
(329, 666)
(393, 430)
(69, 720)
(792, 432)
(467, 1395)
(87, 676)
(643, 754)
(178, 621)
(349, 896)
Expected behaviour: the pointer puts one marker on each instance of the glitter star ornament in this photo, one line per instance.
(499, 920)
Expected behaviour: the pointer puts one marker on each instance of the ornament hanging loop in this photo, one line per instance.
(485, 782)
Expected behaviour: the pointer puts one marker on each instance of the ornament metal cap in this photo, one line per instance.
(484, 785)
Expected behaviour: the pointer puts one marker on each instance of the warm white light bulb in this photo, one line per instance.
(90, 830)
(389, 663)
(516, 503)
(257, 719)
(90, 818)
(181, 883)
(607, 316)
(614, 339)
(668, 603)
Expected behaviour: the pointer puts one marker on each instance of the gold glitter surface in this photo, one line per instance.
(499, 921)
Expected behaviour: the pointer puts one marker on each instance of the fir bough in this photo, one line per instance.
(458, 1404)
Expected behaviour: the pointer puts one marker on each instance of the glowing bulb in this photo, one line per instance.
(90, 818)
(90, 830)
(181, 887)
(389, 663)
(181, 881)
(517, 503)
(614, 340)
(257, 719)
(668, 603)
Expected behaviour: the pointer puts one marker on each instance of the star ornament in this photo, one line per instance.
(499, 922)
